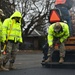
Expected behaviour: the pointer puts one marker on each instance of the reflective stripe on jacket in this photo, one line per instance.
(64, 34)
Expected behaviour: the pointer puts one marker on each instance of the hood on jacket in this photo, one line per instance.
(16, 14)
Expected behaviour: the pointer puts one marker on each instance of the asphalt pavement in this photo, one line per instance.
(30, 64)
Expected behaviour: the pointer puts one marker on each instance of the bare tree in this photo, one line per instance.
(7, 6)
(35, 14)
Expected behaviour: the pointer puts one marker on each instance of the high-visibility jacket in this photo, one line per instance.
(12, 29)
(0, 30)
(64, 34)
(60, 2)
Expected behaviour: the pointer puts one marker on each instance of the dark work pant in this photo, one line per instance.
(45, 51)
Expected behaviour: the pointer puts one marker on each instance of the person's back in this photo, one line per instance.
(65, 3)
(64, 6)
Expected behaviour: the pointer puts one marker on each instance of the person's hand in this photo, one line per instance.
(6, 42)
(50, 46)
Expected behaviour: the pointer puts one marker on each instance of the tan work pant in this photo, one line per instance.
(11, 52)
(61, 48)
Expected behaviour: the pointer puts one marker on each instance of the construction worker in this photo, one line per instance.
(65, 6)
(57, 34)
(1, 56)
(12, 36)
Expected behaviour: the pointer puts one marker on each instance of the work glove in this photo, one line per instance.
(50, 46)
(6, 42)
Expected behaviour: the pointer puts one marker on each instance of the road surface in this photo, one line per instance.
(30, 64)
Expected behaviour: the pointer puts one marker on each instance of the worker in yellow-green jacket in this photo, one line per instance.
(57, 34)
(12, 36)
(1, 56)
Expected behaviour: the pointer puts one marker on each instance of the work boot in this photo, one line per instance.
(3, 68)
(61, 60)
(48, 60)
(11, 67)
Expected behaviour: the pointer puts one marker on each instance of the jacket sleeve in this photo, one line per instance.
(66, 33)
(21, 40)
(4, 30)
(50, 36)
